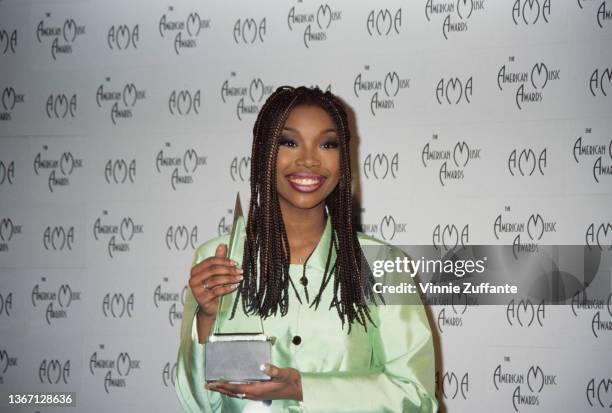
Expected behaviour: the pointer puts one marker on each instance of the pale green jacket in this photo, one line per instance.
(386, 369)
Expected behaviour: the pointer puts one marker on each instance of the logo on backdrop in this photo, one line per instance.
(116, 370)
(600, 154)
(240, 168)
(122, 100)
(601, 321)
(183, 167)
(8, 41)
(6, 361)
(529, 385)
(529, 12)
(61, 106)
(122, 37)
(184, 102)
(10, 98)
(120, 171)
(53, 371)
(381, 166)
(453, 159)
(314, 23)
(450, 236)
(382, 90)
(60, 169)
(384, 22)
(525, 313)
(600, 82)
(453, 90)
(181, 237)
(598, 392)
(6, 303)
(120, 236)
(184, 33)
(118, 305)
(452, 385)
(57, 302)
(8, 229)
(603, 14)
(527, 161)
(169, 374)
(454, 317)
(387, 228)
(527, 233)
(599, 235)
(455, 16)
(249, 31)
(225, 223)
(58, 238)
(530, 83)
(164, 297)
(248, 97)
(61, 35)
(7, 172)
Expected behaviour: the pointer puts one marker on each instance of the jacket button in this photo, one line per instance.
(296, 340)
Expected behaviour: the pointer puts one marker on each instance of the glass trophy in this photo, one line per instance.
(236, 357)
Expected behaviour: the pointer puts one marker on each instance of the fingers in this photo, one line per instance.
(273, 371)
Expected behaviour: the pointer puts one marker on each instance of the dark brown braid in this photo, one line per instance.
(266, 238)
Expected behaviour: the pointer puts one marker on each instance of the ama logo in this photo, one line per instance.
(249, 97)
(316, 23)
(62, 35)
(382, 90)
(184, 33)
(600, 153)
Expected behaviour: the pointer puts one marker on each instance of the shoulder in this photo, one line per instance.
(381, 247)
(207, 249)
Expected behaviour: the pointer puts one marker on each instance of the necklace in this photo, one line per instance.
(304, 279)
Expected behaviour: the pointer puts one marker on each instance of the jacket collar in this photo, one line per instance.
(319, 256)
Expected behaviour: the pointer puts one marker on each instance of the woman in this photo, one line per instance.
(337, 349)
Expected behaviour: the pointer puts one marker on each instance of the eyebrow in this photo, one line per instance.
(296, 131)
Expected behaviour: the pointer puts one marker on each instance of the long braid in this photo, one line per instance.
(266, 236)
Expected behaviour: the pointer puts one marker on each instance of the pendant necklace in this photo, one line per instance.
(304, 279)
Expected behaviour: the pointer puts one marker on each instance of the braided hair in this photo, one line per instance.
(266, 238)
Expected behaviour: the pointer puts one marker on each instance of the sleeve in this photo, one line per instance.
(189, 383)
(402, 373)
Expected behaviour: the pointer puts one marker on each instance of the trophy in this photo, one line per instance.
(235, 357)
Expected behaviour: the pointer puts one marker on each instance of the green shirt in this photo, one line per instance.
(386, 369)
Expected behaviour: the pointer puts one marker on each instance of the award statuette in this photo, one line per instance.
(235, 357)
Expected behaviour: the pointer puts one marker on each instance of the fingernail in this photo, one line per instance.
(234, 262)
(240, 270)
(239, 277)
(234, 286)
(262, 367)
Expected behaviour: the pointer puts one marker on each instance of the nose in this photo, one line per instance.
(307, 159)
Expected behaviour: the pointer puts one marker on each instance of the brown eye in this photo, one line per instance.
(331, 144)
(286, 141)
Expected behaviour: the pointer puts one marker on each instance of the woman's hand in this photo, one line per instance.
(285, 383)
(212, 278)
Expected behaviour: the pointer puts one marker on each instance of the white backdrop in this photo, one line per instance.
(125, 132)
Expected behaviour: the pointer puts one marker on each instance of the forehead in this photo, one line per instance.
(309, 115)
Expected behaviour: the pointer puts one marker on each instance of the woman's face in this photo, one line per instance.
(308, 163)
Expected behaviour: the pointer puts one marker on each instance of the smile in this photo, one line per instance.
(305, 182)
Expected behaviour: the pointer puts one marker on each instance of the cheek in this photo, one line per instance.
(332, 163)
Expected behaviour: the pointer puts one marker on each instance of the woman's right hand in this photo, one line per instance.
(213, 278)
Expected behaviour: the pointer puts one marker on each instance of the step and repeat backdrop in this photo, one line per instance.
(125, 133)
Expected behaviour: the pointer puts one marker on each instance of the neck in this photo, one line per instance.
(304, 229)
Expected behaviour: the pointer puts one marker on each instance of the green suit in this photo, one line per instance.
(386, 369)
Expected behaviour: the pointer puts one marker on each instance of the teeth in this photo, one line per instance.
(305, 181)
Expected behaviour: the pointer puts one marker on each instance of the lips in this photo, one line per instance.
(305, 182)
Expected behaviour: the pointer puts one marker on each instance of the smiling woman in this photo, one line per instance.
(300, 249)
